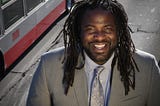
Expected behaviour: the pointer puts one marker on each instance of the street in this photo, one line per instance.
(144, 20)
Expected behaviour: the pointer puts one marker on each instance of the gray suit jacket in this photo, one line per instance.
(47, 89)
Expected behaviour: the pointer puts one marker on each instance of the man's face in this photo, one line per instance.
(98, 35)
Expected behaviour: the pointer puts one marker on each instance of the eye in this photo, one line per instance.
(89, 30)
(108, 29)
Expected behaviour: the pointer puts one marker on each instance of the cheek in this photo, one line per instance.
(85, 38)
(114, 40)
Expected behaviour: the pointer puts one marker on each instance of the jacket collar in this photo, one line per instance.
(81, 87)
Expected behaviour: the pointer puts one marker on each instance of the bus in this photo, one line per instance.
(22, 22)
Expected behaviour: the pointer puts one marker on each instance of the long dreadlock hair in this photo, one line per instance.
(73, 47)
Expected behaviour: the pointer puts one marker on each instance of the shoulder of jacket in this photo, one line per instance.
(143, 54)
(57, 53)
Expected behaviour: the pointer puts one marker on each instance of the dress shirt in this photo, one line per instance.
(104, 76)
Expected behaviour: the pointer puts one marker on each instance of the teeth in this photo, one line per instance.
(100, 46)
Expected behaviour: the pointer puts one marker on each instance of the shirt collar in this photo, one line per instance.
(91, 65)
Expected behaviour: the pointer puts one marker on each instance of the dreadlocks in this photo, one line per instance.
(73, 47)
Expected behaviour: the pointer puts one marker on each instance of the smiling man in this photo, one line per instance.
(98, 65)
(98, 35)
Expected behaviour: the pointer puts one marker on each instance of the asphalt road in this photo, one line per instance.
(144, 19)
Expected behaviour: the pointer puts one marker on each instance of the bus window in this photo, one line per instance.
(12, 12)
(4, 1)
(31, 4)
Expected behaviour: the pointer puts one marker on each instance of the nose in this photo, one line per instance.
(99, 36)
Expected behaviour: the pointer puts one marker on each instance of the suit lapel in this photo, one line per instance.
(117, 89)
(80, 87)
(80, 84)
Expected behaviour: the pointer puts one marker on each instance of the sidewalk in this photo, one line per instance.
(143, 13)
(144, 20)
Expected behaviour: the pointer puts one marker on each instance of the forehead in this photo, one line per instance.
(97, 15)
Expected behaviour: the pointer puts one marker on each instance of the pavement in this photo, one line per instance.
(144, 20)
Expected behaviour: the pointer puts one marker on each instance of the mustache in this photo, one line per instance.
(108, 42)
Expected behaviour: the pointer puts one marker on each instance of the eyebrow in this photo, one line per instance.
(106, 25)
(88, 25)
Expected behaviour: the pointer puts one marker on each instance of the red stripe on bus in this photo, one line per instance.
(12, 54)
